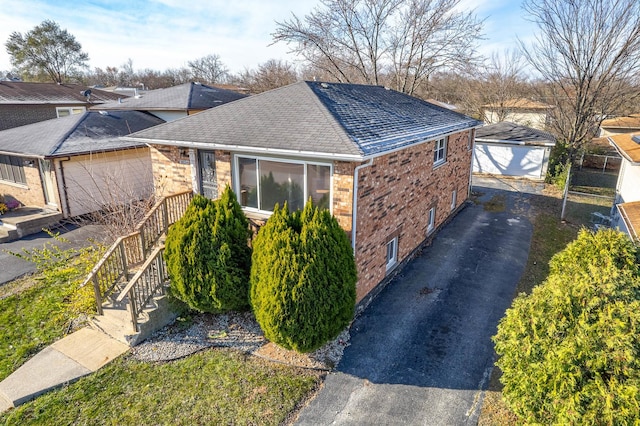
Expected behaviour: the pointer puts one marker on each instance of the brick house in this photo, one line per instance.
(77, 164)
(24, 103)
(520, 111)
(390, 167)
(174, 102)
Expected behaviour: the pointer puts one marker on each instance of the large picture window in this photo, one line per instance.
(263, 183)
(11, 169)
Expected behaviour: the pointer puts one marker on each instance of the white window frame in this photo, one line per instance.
(431, 224)
(454, 199)
(440, 151)
(236, 178)
(70, 110)
(391, 253)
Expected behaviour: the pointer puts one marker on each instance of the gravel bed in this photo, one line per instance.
(236, 330)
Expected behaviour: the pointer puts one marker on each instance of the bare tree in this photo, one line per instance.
(208, 69)
(588, 53)
(270, 75)
(503, 80)
(397, 42)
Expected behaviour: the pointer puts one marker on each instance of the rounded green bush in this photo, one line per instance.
(208, 257)
(303, 278)
(570, 351)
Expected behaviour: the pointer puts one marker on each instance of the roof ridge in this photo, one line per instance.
(68, 133)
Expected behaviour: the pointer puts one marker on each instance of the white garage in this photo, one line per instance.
(508, 149)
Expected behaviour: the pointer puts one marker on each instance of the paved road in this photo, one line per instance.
(12, 267)
(421, 353)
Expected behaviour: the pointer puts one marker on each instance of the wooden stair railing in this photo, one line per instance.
(145, 284)
(130, 251)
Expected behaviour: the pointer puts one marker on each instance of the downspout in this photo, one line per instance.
(63, 182)
(354, 213)
(473, 147)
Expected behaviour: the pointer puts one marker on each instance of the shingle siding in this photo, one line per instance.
(20, 115)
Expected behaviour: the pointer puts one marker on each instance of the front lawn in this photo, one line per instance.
(218, 386)
(39, 309)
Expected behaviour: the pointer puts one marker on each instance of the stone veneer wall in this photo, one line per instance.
(395, 194)
(30, 194)
(171, 169)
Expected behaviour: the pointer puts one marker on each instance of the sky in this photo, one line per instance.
(161, 34)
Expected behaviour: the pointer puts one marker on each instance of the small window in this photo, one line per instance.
(392, 253)
(66, 111)
(440, 152)
(454, 199)
(12, 170)
(432, 220)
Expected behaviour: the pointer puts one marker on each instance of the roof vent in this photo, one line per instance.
(324, 85)
(636, 139)
(386, 88)
(137, 96)
(104, 112)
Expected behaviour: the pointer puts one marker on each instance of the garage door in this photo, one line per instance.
(508, 160)
(93, 181)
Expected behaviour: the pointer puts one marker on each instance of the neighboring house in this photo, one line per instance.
(625, 214)
(618, 125)
(510, 149)
(390, 167)
(77, 164)
(174, 102)
(24, 103)
(520, 111)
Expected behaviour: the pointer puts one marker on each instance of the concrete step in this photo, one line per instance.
(116, 320)
(26, 221)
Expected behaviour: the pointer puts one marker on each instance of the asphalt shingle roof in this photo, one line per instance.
(90, 131)
(511, 132)
(313, 117)
(188, 96)
(26, 93)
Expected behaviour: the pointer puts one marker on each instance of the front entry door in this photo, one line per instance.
(208, 182)
(47, 182)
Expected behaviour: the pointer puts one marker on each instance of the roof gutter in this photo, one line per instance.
(289, 152)
(520, 143)
(622, 153)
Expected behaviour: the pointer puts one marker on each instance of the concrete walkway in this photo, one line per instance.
(65, 361)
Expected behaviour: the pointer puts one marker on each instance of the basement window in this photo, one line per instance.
(432, 220)
(392, 253)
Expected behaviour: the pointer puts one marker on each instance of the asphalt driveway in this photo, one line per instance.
(421, 353)
(12, 267)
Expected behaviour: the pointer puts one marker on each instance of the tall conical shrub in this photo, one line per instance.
(303, 278)
(208, 256)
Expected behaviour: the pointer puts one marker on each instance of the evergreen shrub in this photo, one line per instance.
(303, 278)
(570, 351)
(208, 256)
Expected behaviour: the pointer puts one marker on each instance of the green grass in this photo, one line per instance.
(37, 310)
(212, 387)
(549, 237)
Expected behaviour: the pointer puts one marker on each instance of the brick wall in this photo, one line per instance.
(394, 198)
(171, 169)
(343, 194)
(31, 194)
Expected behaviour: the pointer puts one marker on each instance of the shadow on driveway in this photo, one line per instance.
(422, 353)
